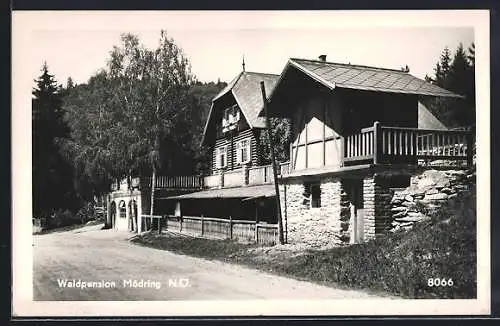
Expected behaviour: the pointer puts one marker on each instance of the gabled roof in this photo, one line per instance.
(246, 91)
(367, 78)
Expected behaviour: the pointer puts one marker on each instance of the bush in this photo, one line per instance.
(87, 213)
(61, 218)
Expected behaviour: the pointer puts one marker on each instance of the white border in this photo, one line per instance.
(24, 23)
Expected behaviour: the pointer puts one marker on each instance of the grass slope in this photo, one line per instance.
(402, 264)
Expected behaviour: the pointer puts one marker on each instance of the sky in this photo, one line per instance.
(77, 44)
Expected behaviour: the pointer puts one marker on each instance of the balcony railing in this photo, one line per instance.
(176, 182)
(373, 145)
(259, 175)
(389, 145)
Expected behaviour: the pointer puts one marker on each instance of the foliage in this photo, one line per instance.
(87, 212)
(144, 110)
(456, 74)
(281, 132)
(61, 218)
(199, 103)
(52, 174)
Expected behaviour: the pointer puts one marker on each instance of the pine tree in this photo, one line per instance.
(52, 176)
(444, 64)
(456, 75)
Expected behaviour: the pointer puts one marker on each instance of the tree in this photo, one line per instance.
(281, 134)
(456, 75)
(199, 103)
(142, 115)
(52, 175)
(90, 118)
(443, 68)
(150, 93)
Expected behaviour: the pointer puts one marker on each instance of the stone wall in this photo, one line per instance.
(314, 226)
(429, 190)
(386, 209)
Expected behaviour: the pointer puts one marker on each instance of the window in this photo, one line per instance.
(312, 195)
(123, 209)
(221, 157)
(230, 118)
(315, 195)
(243, 151)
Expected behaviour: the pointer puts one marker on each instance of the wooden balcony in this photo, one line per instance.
(180, 182)
(373, 145)
(247, 176)
(394, 145)
(385, 145)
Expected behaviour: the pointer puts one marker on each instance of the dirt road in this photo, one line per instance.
(102, 265)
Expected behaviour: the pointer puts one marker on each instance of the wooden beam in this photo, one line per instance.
(306, 123)
(324, 132)
(273, 161)
(376, 136)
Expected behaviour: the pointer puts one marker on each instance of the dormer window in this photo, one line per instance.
(230, 118)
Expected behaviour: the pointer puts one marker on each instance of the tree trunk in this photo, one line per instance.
(153, 186)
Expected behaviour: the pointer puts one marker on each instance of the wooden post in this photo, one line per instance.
(256, 232)
(230, 227)
(202, 224)
(470, 149)
(275, 172)
(342, 150)
(324, 133)
(376, 134)
(159, 225)
(306, 124)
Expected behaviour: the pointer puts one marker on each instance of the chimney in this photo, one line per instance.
(322, 57)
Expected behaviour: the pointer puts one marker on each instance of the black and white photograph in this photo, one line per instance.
(201, 163)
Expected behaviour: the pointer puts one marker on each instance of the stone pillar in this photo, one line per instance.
(344, 215)
(294, 210)
(369, 207)
(383, 197)
(128, 213)
(377, 206)
(334, 227)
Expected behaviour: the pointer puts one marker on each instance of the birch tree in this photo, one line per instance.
(150, 88)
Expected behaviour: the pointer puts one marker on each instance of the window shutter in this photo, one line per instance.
(226, 157)
(248, 149)
(238, 152)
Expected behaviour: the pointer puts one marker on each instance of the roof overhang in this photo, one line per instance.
(243, 193)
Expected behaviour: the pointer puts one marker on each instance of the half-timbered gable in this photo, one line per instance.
(355, 135)
(328, 102)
